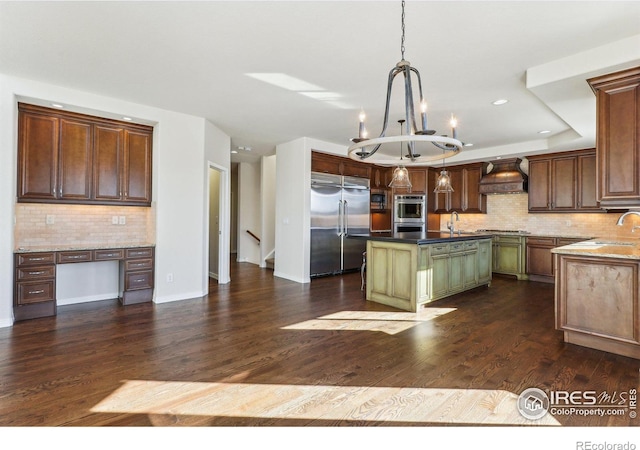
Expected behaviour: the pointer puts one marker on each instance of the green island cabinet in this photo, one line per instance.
(509, 255)
(408, 275)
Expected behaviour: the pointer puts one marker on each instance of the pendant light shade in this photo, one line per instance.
(401, 178)
(443, 183)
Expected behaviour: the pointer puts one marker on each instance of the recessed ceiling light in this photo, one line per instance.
(544, 131)
(234, 151)
(126, 118)
(501, 101)
(468, 144)
(57, 105)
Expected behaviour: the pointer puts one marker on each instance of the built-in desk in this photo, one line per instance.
(35, 276)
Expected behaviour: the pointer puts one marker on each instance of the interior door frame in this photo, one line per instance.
(224, 224)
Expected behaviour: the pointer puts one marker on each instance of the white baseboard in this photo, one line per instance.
(85, 299)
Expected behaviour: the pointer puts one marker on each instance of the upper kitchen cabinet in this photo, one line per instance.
(466, 196)
(122, 169)
(563, 182)
(66, 157)
(618, 138)
(54, 158)
(339, 165)
(381, 177)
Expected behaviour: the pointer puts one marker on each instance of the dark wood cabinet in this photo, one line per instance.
(73, 158)
(563, 182)
(618, 138)
(34, 293)
(35, 277)
(74, 180)
(540, 260)
(339, 165)
(137, 276)
(38, 156)
(466, 197)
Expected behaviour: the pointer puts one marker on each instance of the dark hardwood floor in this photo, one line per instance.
(263, 351)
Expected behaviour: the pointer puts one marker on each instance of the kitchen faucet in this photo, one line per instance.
(628, 213)
(451, 225)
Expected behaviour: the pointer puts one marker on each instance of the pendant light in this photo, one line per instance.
(400, 177)
(364, 149)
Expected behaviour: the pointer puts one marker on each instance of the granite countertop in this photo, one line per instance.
(78, 247)
(626, 248)
(418, 238)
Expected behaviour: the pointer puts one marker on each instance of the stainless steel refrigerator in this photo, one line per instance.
(339, 206)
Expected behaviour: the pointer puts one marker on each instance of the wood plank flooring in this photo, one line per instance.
(263, 351)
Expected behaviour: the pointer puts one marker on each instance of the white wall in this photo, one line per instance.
(180, 184)
(217, 155)
(249, 212)
(292, 221)
(268, 201)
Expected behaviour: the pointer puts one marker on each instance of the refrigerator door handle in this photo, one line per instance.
(340, 218)
(345, 219)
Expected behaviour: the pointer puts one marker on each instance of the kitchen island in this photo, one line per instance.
(597, 300)
(409, 270)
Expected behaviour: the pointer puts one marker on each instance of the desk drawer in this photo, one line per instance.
(28, 292)
(75, 256)
(138, 264)
(108, 255)
(457, 247)
(139, 253)
(35, 259)
(35, 273)
(138, 280)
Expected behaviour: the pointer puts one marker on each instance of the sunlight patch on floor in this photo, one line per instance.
(386, 322)
(306, 402)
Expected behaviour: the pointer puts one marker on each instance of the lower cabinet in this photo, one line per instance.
(540, 262)
(136, 276)
(509, 256)
(35, 277)
(34, 292)
(597, 303)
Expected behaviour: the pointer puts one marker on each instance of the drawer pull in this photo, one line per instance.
(40, 291)
(40, 272)
(76, 256)
(36, 259)
(138, 280)
(108, 255)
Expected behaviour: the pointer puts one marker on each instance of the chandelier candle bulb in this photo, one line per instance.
(423, 114)
(362, 133)
(454, 124)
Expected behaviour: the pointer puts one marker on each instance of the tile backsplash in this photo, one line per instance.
(40, 224)
(510, 212)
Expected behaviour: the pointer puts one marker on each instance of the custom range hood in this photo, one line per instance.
(506, 177)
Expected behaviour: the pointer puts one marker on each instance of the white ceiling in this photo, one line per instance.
(194, 57)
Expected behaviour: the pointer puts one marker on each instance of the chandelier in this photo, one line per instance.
(364, 149)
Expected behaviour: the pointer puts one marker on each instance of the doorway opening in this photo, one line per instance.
(218, 216)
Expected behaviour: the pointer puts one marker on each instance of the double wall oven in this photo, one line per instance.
(410, 213)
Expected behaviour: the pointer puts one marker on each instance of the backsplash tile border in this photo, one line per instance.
(511, 212)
